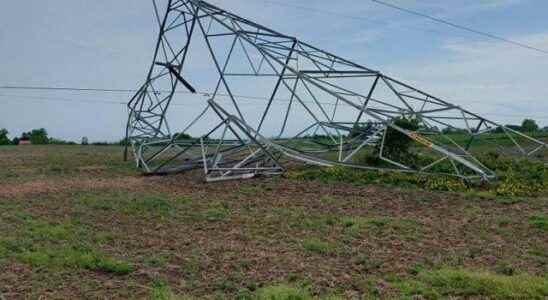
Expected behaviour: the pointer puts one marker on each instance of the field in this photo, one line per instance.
(78, 222)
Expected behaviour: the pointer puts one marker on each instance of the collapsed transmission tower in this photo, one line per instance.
(308, 105)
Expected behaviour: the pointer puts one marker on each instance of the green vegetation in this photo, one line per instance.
(450, 282)
(182, 136)
(74, 259)
(4, 140)
(282, 292)
(518, 178)
(318, 246)
(214, 214)
(357, 226)
(36, 136)
(397, 146)
(130, 204)
(437, 284)
(161, 291)
(41, 137)
(529, 125)
(69, 245)
(539, 221)
(77, 219)
(356, 177)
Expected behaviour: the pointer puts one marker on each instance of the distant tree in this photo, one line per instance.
(39, 136)
(450, 130)
(4, 140)
(529, 125)
(123, 142)
(15, 141)
(498, 130)
(25, 136)
(359, 129)
(54, 141)
(514, 127)
(182, 136)
(545, 128)
(85, 140)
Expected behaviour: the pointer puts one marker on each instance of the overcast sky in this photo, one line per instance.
(109, 44)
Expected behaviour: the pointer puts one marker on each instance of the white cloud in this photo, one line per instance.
(499, 80)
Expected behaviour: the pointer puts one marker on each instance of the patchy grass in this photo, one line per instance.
(318, 246)
(539, 221)
(50, 162)
(216, 212)
(301, 220)
(450, 282)
(368, 264)
(162, 291)
(123, 236)
(460, 283)
(282, 292)
(68, 245)
(128, 203)
(65, 257)
(358, 226)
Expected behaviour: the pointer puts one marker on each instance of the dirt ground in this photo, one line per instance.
(77, 222)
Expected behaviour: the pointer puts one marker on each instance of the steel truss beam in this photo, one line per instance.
(348, 109)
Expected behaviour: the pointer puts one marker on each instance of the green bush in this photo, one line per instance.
(523, 178)
(397, 146)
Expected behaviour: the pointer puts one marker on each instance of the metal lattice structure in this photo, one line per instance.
(311, 106)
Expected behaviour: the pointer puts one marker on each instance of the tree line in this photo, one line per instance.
(35, 136)
(40, 137)
(527, 126)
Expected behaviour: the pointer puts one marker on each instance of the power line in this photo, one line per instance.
(48, 88)
(461, 27)
(61, 99)
(97, 101)
(321, 11)
(200, 93)
(58, 99)
(416, 13)
(74, 89)
(359, 18)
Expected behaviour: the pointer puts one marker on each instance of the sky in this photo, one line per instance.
(109, 44)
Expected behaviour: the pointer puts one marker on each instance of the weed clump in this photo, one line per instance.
(518, 178)
(469, 284)
(521, 178)
(539, 221)
(281, 292)
(317, 246)
(66, 257)
(340, 174)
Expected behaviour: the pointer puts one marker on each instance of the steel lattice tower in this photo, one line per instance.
(315, 107)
